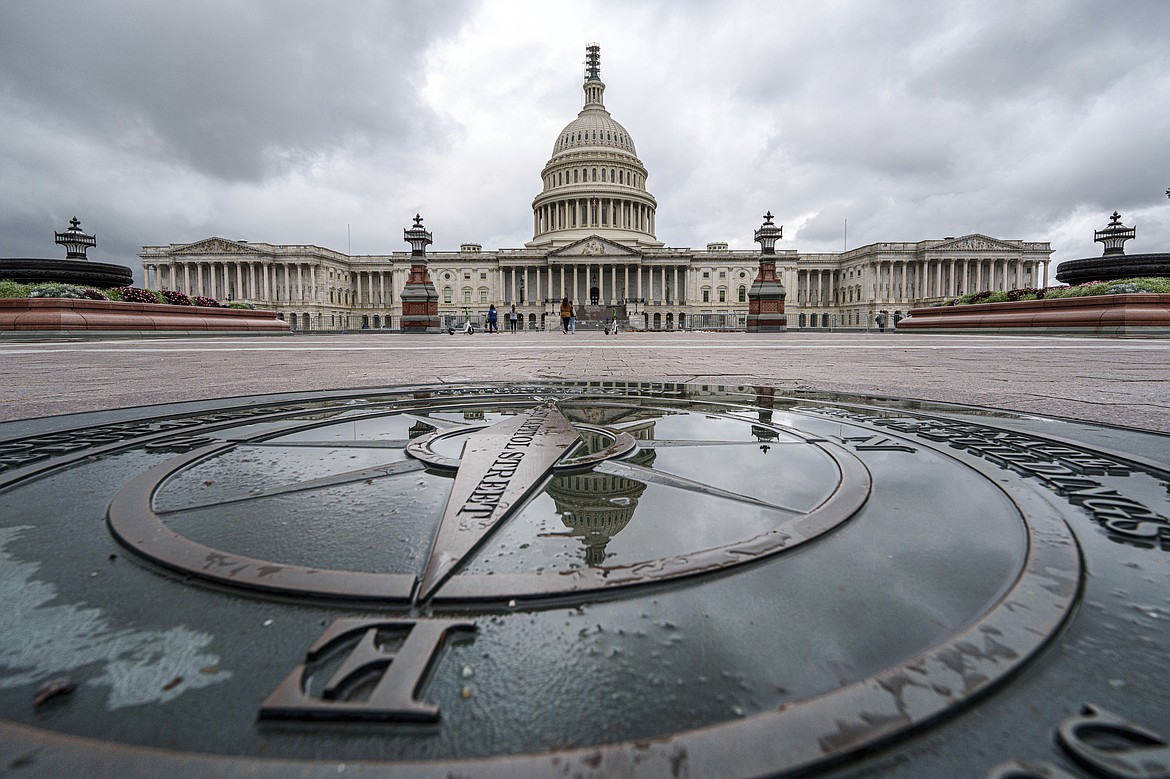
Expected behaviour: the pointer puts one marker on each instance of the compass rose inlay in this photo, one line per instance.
(500, 465)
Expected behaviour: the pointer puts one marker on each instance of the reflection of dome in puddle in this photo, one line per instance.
(420, 428)
(596, 506)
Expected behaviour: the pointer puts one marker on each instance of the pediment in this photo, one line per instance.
(593, 246)
(216, 246)
(974, 242)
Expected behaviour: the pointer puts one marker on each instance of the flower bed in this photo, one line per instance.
(65, 316)
(1133, 314)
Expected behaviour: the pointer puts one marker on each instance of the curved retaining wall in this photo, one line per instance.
(1141, 314)
(62, 316)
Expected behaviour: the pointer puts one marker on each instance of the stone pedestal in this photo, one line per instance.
(420, 303)
(766, 301)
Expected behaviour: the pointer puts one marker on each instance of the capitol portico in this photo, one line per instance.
(594, 242)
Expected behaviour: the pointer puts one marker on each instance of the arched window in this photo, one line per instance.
(611, 178)
(742, 294)
(603, 174)
(595, 174)
(446, 294)
(575, 179)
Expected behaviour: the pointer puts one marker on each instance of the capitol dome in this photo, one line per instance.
(594, 183)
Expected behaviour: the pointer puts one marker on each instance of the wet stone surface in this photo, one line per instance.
(582, 579)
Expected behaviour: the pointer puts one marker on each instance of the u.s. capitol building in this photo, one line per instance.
(594, 242)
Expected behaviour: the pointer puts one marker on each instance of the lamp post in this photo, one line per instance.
(420, 299)
(766, 296)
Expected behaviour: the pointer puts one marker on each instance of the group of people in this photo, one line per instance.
(492, 325)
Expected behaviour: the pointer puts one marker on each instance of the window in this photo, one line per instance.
(483, 296)
(706, 274)
(466, 296)
(595, 174)
(603, 174)
(722, 274)
(742, 294)
(483, 275)
(446, 294)
(722, 296)
(706, 296)
(466, 275)
(575, 179)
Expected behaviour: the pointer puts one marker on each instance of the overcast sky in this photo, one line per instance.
(333, 123)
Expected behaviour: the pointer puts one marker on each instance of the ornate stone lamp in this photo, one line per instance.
(420, 299)
(75, 242)
(1114, 236)
(766, 296)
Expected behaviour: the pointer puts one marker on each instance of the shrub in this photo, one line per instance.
(93, 294)
(137, 295)
(1027, 293)
(247, 306)
(175, 298)
(13, 289)
(200, 300)
(56, 291)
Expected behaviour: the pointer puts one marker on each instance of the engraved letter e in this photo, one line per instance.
(392, 697)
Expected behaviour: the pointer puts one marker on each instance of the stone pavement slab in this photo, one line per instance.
(1115, 381)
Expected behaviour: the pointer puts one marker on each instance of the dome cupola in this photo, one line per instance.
(594, 183)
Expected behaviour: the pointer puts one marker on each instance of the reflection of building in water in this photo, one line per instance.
(420, 428)
(596, 506)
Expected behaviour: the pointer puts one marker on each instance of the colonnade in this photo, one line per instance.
(534, 284)
(619, 213)
(283, 282)
(916, 280)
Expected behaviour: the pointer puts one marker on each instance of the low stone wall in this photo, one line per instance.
(104, 318)
(1140, 315)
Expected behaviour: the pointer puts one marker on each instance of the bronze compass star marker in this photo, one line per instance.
(500, 466)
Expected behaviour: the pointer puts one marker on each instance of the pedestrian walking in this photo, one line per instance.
(566, 312)
(572, 319)
(492, 326)
(513, 319)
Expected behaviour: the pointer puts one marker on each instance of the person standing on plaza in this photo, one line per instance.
(572, 319)
(492, 319)
(513, 319)
(566, 312)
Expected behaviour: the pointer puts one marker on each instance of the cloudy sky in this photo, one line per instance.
(330, 123)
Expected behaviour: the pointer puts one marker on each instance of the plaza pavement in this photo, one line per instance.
(1117, 381)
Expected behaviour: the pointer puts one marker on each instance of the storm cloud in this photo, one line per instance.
(333, 124)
